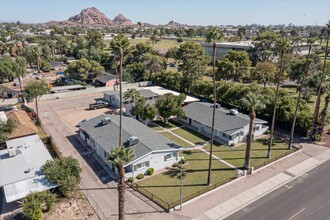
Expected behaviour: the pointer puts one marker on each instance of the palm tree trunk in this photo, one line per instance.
(271, 135)
(298, 100)
(249, 142)
(20, 87)
(121, 99)
(37, 108)
(121, 193)
(324, 114)
(213, 116)
(38, 65)
(318, 100)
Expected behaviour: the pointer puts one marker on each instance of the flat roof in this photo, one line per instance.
(19, 190)
(31, 155)
(162, 91)
(60, 88)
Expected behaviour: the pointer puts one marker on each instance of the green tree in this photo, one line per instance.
(95, 39)
(264, 72)
(37, 53)
(263, 46)
(153, 63)
(252, 102)
(192, 63)
(310, 42)
(20, 69)
(35, 203)
(281, 45)
(226, 69)
(241, 63)
(119, 45)
(118, 157)
(143, 110)
(132, 95)
(7, 68)
(170, 105)
(80, 69)
(64, 172)
(241, 32)
(212, 36)
(322, 78)
(137, 71)
(35, 89)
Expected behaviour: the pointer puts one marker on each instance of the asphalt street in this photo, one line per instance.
(305, 198)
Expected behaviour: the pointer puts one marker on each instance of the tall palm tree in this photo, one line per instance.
(119, 45)
(252, 102)
(324, 111)
(20, 73)
(310, 42)
(319, 89)
(132, 94)
(52, 48)
(282, 45)
(37, 53)
(211, 37)
(118, 157)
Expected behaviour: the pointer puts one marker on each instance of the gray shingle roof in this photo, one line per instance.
(224, 122)
(55, 63)
(105, 77)
(108, 135)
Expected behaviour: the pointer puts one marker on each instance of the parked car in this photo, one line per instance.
(6, 108)
(98, 104)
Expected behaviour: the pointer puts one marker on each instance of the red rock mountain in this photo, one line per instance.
(122, 20)
(90, 16)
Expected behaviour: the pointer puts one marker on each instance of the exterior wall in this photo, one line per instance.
(221, 51)
(113, 101)
(156, 161)
(111, 83)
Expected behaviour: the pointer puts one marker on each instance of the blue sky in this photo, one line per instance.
(199, 12)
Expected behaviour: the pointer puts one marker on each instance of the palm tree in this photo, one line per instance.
(324, 111)
(211, 37)
(282, 45)
(52, 48)
(119, 45)
(36, 53)
(252, 102)
(310, 42)
(132, 94)
(34, 90)
(319, 88)
(20, 72)
(118, 157)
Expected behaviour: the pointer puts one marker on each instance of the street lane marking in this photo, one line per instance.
(296, 214)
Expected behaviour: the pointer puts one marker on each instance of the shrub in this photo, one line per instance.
(131, 179)
(267, 132)
(317, 137)
(176, 164)
(183, 160)
(232, 144)
(140, 176)
(150, 171)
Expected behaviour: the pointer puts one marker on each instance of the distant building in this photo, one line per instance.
(105, 79)
(224, 47)
(58, 66)
(20, 168)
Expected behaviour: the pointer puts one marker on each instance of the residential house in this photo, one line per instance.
(23, 125)
(230, 126)
(113, 97)
(58, 66)
(105, 79)
(150, 148)
(20, 167)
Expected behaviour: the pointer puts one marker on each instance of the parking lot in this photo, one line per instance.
(59, 119)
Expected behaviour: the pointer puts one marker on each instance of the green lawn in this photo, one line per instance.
(190, 135)
(167, 185)
(175, 139)
(155, 127)
(236, 155)
(162, 44)
(169, 125)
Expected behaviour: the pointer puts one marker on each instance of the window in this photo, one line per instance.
(256, 128)
(242, 133)
(105, 154)
(141, 165)
(169, 156)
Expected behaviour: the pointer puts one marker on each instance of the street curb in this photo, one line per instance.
(273, 189)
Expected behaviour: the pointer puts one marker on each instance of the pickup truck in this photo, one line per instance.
(98, 104)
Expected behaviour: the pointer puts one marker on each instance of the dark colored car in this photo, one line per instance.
(5, 108)
(99, 104)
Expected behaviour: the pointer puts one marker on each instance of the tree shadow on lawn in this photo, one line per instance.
(175, 173)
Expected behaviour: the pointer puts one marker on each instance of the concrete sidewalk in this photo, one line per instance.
(245, 198)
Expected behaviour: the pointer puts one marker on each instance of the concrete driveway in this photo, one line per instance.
(59, 119)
